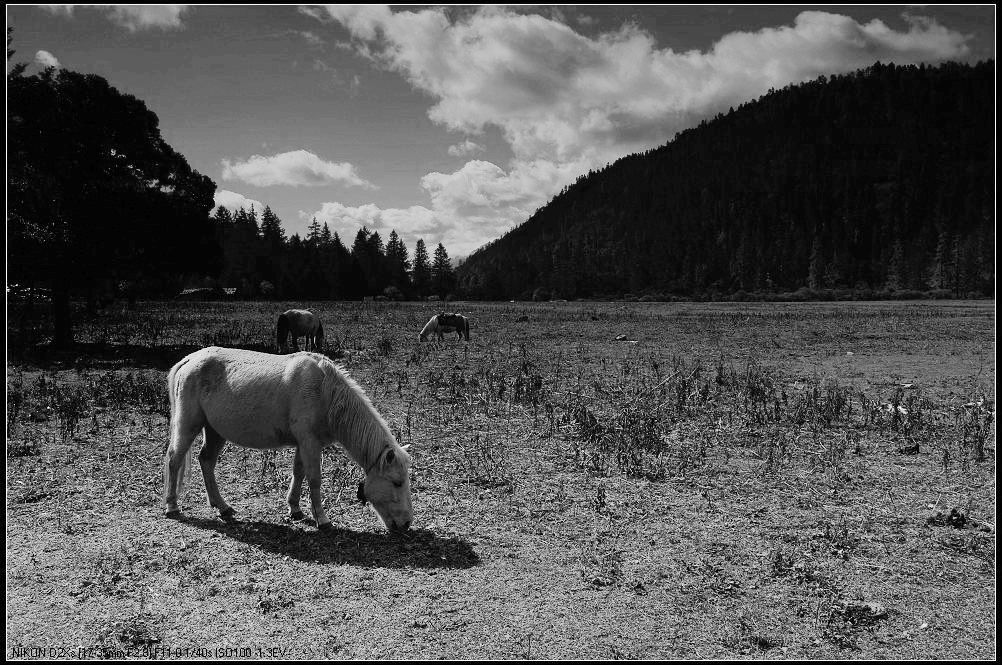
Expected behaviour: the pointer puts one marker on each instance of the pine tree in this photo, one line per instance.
(398, 263)
(313, 234)
(938, 277)
(272, 232)
(895, 268)
(443, 278)
(421, 270)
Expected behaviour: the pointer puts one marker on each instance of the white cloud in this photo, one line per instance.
(226, 199)
(46, 59)
(312, 38)
(469, 207)
(566, 102)
(298, 168)
(465, 148)
(131, 17)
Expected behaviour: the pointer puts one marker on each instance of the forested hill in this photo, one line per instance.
(876, 181)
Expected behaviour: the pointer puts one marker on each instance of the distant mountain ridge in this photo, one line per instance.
(879, 180)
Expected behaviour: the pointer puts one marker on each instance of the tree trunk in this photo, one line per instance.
(62, 314)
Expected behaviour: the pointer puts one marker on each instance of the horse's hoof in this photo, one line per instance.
(227, 514)
(297, 516)
(172, 514)
(326, 527)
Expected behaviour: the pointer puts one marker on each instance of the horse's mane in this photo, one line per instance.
(431, 326)
(352, 419)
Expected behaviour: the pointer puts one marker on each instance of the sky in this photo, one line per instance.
(454, 124)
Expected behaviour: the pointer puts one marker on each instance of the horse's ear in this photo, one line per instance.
(407, 448)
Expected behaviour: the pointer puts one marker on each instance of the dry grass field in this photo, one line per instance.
(753, 480)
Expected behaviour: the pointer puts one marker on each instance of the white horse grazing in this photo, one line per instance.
(265, 401)
(445, 323)
(300, 322)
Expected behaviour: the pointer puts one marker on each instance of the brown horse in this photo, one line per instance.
(300, 322)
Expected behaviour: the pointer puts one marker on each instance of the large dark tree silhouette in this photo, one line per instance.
(94, 192)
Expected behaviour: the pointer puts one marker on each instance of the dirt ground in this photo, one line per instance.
(744, 480)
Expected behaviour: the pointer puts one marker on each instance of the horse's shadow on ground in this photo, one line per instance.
(418, 548)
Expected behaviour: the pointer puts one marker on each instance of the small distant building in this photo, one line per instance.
(201, 294)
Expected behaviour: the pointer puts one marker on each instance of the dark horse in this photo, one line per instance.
(300, 322)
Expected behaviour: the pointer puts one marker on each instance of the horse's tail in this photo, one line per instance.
(319, 340)
(466, 328)
(282, 331)
(172, 397)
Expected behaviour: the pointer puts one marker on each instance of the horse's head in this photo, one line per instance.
(387, 488)
(319, 337)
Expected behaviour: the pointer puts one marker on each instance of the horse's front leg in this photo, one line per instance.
(295, 343)
(296, 488)
(310, 450)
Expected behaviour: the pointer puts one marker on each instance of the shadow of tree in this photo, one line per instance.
(417, 548)
(93, 354)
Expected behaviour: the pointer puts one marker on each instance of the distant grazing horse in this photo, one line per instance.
(266, 401)
(446, 323)
(299, 322)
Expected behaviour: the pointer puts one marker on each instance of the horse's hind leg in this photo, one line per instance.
(184, 426)
(296, 488)
(207, 458)
(295, 343)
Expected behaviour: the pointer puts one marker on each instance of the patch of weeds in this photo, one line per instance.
(30, 445)
(846, 618)
(599, 503)
(274, 602)
(130, 637)
(774, 451)
(973, 424)
(32, 495)
(839, 537)
(747, 636)
(601, 566)
(16, 395)
(110, 567)
(187, 563)
(956, 518)
(977, 544)
(486, 462)
(719, 580)
(561, 497)
(384, 347)
(786, 563)
(70, 404)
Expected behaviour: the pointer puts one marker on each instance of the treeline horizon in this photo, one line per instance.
(873, 184)
(260, 261)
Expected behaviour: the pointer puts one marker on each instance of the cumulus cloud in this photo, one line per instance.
(465, 148)
(469, 207)
(566, 102)
(224, 198)
(46, 59)
(298, 168)
(131, 17)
